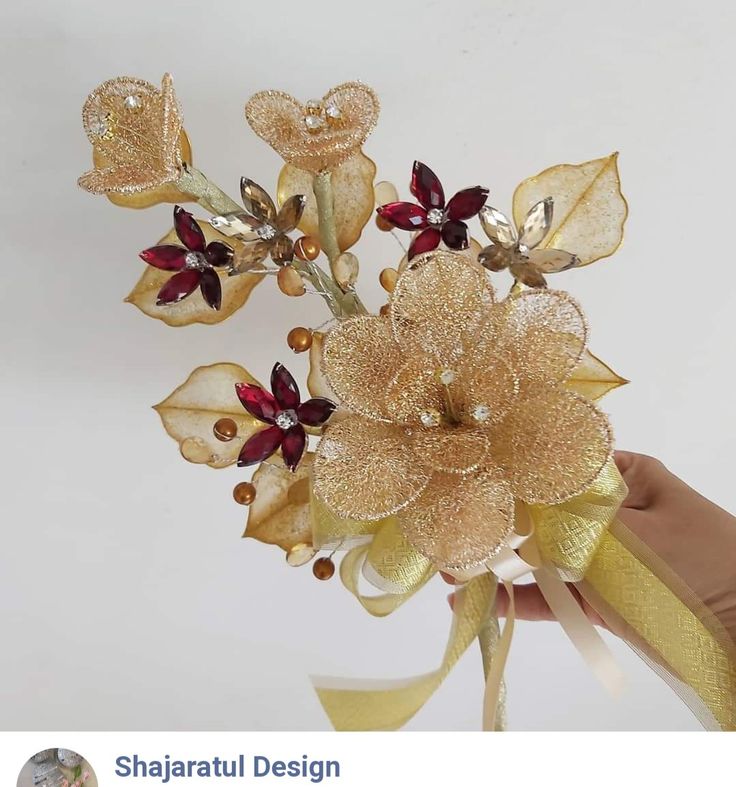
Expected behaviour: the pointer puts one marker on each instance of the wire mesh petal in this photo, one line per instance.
(541, 333)
(359, 359)
(459, 523)
(438, 304)
(366, 469)
(453, 450)
(551, 447)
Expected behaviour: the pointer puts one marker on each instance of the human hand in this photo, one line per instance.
(693, 536)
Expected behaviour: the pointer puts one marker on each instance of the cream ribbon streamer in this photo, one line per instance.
(520, 556)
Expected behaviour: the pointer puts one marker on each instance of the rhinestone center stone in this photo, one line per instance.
(435, 216)
(481, 413)
(195, 260)
(132, 102)
(286, 419)
(266, 232)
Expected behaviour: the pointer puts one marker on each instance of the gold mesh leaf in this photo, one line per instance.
(552, 446)
(459, 523)
(359, 358)
(366, 469)
(191, 411)
(280, 513)
(593, 379)
(279, 120)
(135, 130)
(235, 290)
(589, 208)
(439, 303)
(352, 187)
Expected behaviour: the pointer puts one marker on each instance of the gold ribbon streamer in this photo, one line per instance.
(672, 634)
(492, 702)
(388, 705)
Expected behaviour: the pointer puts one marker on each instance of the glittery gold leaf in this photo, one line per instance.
(191, 411)
(594, 379)
(589, 208)
(235, 290)
(320, 134)
(352, 187)
(136, 133)
(280, 513)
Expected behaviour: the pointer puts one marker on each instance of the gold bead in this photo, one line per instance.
(225, 429)
(290, 282)
(385, 310)
(323, 568)
(307, 248)
(299, 339)
(387, 278)
(382, 224)
(244, 493)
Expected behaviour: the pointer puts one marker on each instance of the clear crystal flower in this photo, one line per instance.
(263, 228)
(518, 250)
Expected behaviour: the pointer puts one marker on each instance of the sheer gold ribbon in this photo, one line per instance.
(577, 541)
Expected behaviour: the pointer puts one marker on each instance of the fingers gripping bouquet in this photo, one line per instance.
(455, 430)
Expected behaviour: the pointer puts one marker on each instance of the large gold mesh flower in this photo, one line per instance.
(457, 410)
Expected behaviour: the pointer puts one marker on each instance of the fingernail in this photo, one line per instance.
(448, 578)
(451, 601)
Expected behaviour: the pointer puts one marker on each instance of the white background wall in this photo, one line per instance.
(127, 598)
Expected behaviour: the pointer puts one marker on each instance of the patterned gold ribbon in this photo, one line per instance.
(632, 590)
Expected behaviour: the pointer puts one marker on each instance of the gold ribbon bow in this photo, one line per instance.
(577, 541)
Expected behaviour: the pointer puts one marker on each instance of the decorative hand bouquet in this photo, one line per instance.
(455, 430)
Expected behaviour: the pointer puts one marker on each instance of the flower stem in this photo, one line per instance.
(210, 196)
(323, 194)
(213, 199)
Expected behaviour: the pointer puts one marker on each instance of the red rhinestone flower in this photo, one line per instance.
(286, 415)
(436, 220)
(195, 263)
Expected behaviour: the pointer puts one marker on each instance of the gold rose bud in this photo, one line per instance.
(138, 143)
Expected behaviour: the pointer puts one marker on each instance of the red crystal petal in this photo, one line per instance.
(404, 215)
(260, 446)
(218, 254)
(292, 446)
(426, 186)
(314, 412)
(189, 232)
(455, 234)
(284, 388)
(466, 203)
(211, 288)
(178, 287)
(166, 258)
(257, 401)
(425, 241)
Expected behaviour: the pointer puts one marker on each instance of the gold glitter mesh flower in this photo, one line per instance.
(137, 137)
(458, 409)
(318, 135)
